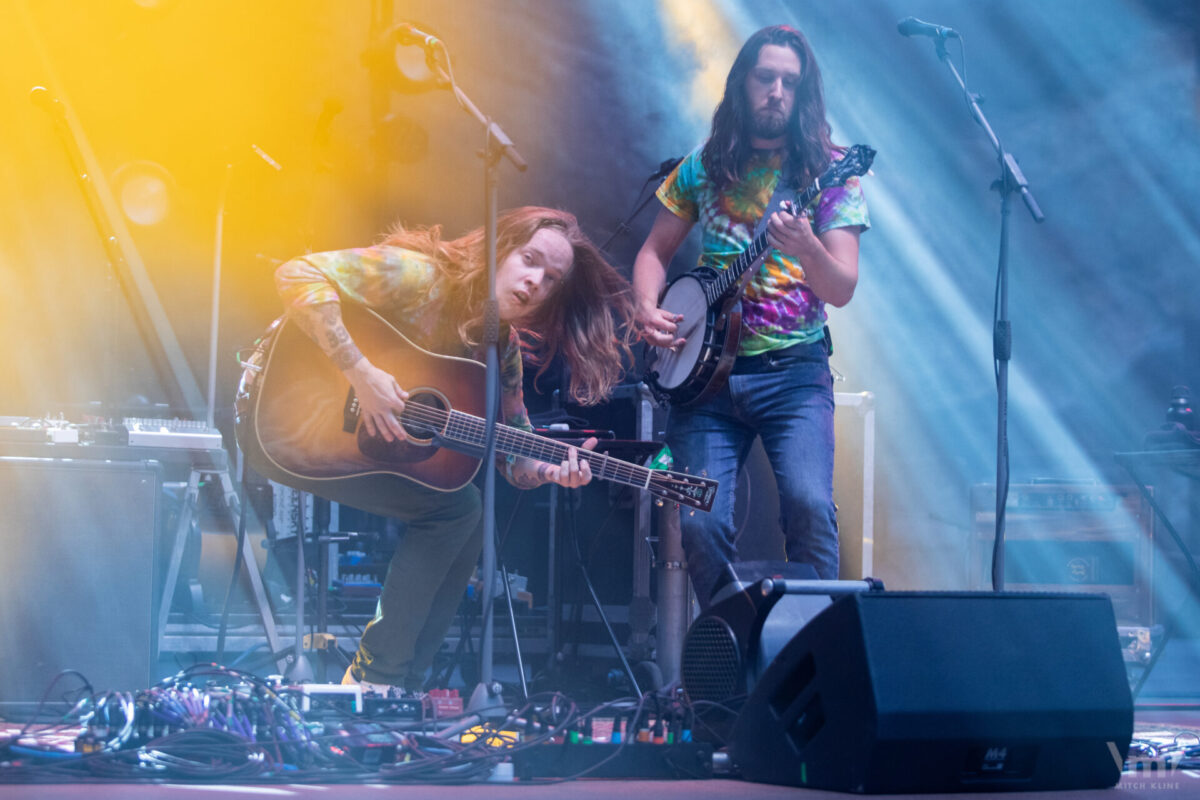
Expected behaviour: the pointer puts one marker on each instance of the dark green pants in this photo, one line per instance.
(428, 572)
(427, 575)
(425, 582)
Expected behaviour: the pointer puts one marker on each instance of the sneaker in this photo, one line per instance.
(381, 689)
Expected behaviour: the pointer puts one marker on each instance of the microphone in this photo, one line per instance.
(911, 26)
(406, 33)
(664, 169)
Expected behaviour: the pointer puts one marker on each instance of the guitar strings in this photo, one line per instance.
(465, 427)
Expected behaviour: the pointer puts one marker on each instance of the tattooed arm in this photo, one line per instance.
(323, 324)
(573, 471)
(318, 313)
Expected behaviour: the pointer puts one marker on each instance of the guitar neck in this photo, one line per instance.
(514, 441)
(469, 430)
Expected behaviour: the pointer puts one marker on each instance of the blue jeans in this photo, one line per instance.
(785, 397)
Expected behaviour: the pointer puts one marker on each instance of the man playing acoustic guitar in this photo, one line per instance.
(555, 293)
(769, 127)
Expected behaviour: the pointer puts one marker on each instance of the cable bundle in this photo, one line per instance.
(210, 723)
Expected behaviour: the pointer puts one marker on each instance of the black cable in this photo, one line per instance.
(587, 580)
(623, 227)
(91, 694)
(248, 731)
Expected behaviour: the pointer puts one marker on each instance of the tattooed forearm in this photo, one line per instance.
(530, 475)
(347, 356)
(523, 480)
(331, 327)
(323, 324)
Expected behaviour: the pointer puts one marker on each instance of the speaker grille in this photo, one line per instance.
(711, 664)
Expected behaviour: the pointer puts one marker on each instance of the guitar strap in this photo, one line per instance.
(783, 191)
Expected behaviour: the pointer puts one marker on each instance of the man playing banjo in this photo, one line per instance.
(768, 131)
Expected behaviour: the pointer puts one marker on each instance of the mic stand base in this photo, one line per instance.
(487, 701)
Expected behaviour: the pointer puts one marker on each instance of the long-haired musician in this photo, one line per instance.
(556, 295)
(770, 126)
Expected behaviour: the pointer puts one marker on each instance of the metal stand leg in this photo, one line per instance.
(673, 600)
(187, 519)
(512, 619)
(187, 514)
(256, 583)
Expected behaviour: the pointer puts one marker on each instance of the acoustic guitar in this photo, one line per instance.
(300, 413)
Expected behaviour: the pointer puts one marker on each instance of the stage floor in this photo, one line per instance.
(1155, 723)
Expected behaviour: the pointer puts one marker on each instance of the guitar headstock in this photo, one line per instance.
(854, 162)
(686, 490)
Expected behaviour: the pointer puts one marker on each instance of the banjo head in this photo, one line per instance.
(685, 296)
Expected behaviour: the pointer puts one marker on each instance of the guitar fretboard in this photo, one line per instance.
(468, 429)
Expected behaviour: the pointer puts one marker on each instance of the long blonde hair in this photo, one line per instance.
(588, 319)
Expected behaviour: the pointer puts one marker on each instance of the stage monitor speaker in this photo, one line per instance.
(730, 644)
(77, 588)
(753, 616)
(890, 692)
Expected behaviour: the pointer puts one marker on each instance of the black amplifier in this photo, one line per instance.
(1062, 536)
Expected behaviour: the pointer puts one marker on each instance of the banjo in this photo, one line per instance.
(710, 301)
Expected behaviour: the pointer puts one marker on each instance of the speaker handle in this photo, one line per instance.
(773, 586)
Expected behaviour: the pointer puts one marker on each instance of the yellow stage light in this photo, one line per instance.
(143, 189)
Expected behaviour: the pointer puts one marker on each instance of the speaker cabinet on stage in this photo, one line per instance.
(1070, 537)
(77, 586)
(889, 692)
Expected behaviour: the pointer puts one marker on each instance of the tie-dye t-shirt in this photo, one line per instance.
(778, 309)
(399, 285)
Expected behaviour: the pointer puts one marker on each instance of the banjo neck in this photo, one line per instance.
(757, 250)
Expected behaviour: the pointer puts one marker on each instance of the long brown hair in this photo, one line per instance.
(808, 142)
(588, 318)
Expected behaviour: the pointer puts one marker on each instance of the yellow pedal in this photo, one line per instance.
(319, 641)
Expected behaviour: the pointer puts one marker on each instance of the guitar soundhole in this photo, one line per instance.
(420, 424)
(423, 416)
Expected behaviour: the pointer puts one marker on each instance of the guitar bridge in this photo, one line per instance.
(351, 411)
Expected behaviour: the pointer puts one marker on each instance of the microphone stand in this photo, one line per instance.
(1011, 180)
(664, 169)
(485, 699)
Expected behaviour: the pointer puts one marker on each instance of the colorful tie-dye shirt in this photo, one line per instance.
(778, 309)
(400, 285)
